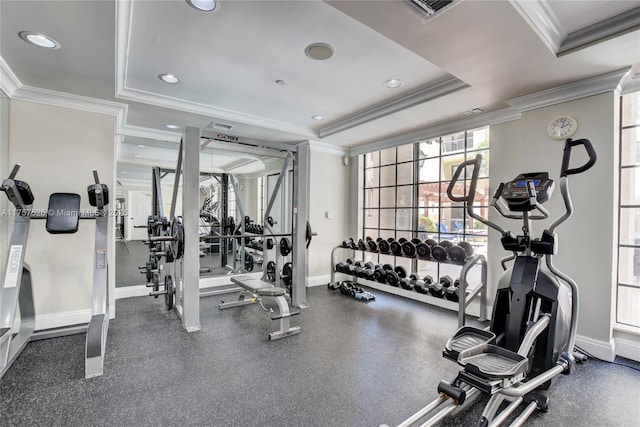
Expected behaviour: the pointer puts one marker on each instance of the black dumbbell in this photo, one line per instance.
(362, 245)
(409, 249)
(453, 292)
(396, 247)
(439, 289)
(422, 286)
(379, 275)
(394, 275)
(423, 250)
(460, 252)
(384, 246)
(439, 252)
(408, 283)
(373, 246)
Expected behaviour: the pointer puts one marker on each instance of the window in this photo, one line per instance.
(405, 195)
(628, 295)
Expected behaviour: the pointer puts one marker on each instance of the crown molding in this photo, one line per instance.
(630, 84)
(324, 147)
(479, 120)
(415, 98)
(601, 31)
(147, 133)
(543, 21)
(571, 91)
(9, 82)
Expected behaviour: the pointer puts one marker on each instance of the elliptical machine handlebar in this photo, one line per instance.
(470, 196)
(566, 158)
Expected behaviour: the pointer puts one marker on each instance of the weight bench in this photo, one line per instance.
(261, 292)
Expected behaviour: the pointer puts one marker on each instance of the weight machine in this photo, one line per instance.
(16, 293)
(186, 268)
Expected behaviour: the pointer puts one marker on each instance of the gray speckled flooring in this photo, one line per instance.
(354, 364)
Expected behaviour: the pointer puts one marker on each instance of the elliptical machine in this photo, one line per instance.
(533, 327)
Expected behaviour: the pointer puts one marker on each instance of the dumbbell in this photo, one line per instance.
(396, 247)
(439, 289)
(439, 251)
(458, 253)
(422, 286)
(379, 275)
(423, 250)
(361, 245)
(408, 283)
(368, 271)
(409, 248)
(394, 276)
(384, 246)
(453, 292)
(373, 246)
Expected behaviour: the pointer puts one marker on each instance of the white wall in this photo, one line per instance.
(58, 149)
(4, 172)
(329, 192)
(587, 241)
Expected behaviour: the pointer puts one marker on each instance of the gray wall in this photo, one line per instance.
(329, 191)
(4, 172)
(58, 149)
(587, 241)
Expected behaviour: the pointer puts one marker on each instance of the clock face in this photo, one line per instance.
(562, 127)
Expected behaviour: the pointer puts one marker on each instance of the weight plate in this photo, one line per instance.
(392, 278)
(271, 271)
(373, 246)
(402, 240)
(405, 283)
(362, 245)
(439, 253)
(170, 291)
(177, 232)
(446, 244)
(384, 247)
(285, 246)
(416, 241)
(431, 242)
(248, 262)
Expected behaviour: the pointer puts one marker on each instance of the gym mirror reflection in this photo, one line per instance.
(235, 189)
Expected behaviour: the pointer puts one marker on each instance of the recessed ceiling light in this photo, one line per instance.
(169, 78)
(141, 146)
(40, 40)
(136, 156)
(393, 83)
(319, 51)
(281, 82)
(203, 5)
(317, 117)
(171, 126)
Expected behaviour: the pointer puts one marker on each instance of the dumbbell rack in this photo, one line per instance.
(464, 300)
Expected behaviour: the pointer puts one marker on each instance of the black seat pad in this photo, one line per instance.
(63, 213)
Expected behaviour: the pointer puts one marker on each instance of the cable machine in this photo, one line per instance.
(186, 268)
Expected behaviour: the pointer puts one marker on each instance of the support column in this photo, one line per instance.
(301, 215)
(190, 220)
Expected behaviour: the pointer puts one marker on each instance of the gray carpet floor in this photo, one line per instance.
(354, 364)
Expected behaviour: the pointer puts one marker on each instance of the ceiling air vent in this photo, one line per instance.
(221, 126)
(430, 8)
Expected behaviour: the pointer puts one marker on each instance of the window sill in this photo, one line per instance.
(627, 329)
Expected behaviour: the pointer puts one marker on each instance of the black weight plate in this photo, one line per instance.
(345, 244)
(387, 267)
(467, 247)
(369, 265)
(368, 238)
(405, 283)
(349, 260)
(420, 287)
(170, 290)
(285, 246)
(457, 254)
(378, 239)
(409, 249)
(373, 246)
(423, 250)
(248, 262)
(271, 271)
(384, 246)
(362, 245)
(392, 278)
(390, 239)
(415, 241)
(177, 231)
(431, 242)
(379, 276)
(396, 248)
(439, 253)
(428, 279)
(401, 271)
(402, 240)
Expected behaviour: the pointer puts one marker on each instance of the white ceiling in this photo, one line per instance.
(229, 60)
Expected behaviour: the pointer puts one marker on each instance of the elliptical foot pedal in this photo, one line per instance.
(492, 362)
(465, 338)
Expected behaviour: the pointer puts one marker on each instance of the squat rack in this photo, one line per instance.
(186, 269)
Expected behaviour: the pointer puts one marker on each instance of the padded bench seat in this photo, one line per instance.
(260, 287)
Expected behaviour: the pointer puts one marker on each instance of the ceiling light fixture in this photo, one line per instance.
(318, 117)
(319, 51)
(203, 5)
(392, 83)
(141, 146)
(40, 40)
(281, 82)
(171, 126)
(169, 78)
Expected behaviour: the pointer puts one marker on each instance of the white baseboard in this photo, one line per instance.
(600, 349)
(68, 318)
(627, 348)
(318, 280)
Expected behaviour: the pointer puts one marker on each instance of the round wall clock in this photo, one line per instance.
(562, 127)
